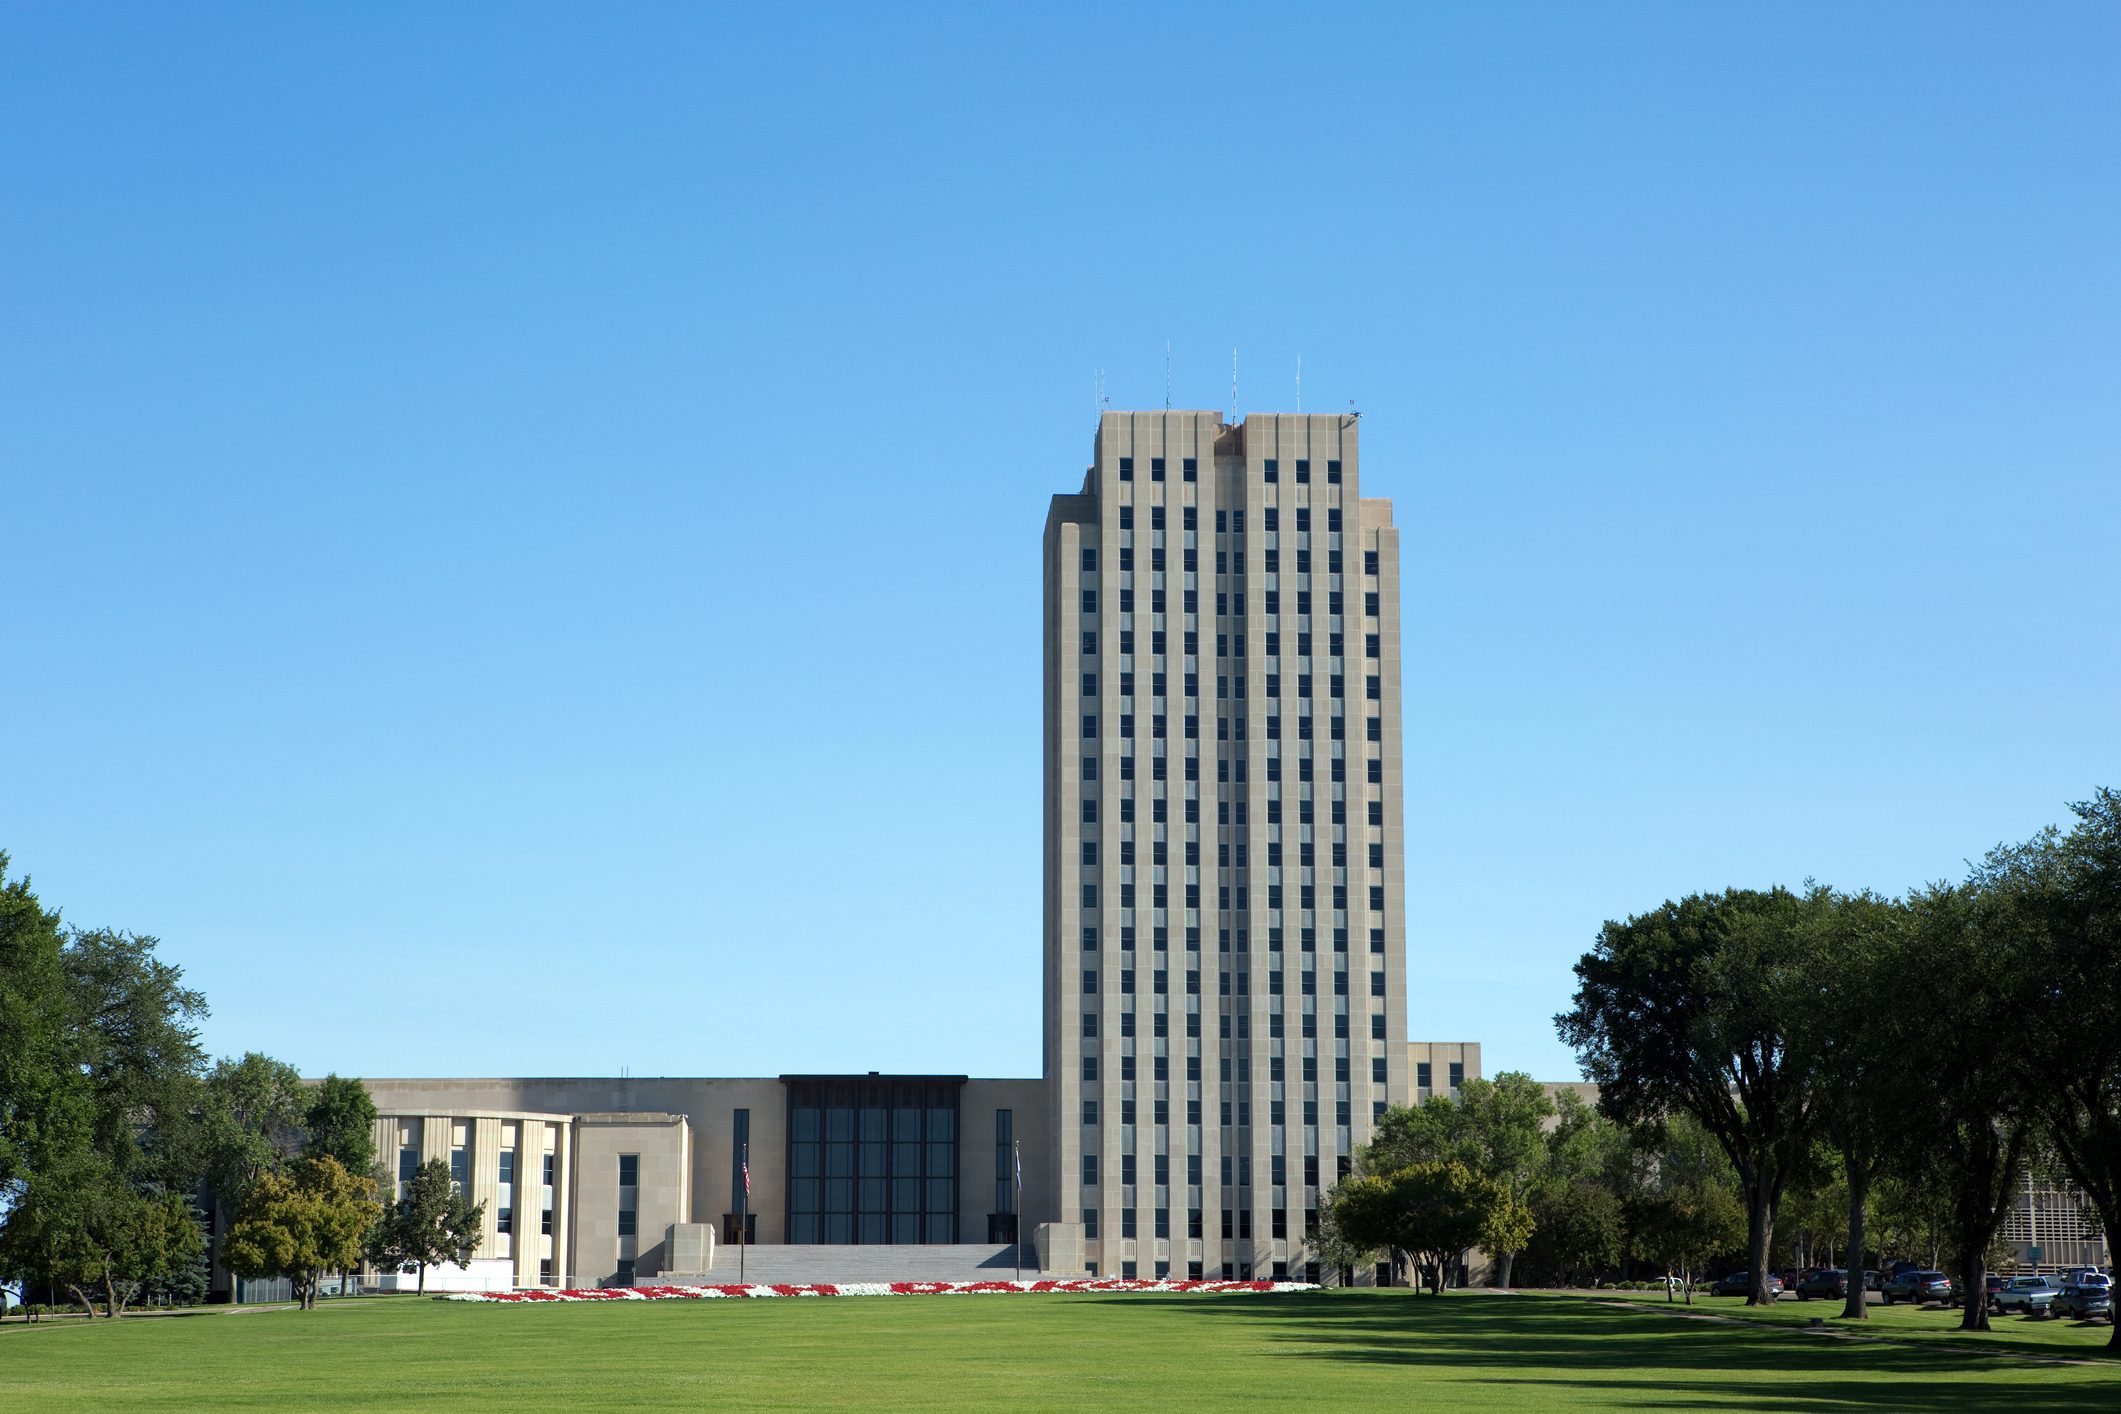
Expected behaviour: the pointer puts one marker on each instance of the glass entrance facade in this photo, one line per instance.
(872, 1159)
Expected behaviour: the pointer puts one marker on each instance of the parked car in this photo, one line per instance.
(2085, 1296)
(1827, 1281)
(1871, 1278)
(1741, 1284)
(1918, 1287)
(1991, 1283)
(2032, 1295)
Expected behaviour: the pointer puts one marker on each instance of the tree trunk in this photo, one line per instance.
(1973, 1295)
(82, 1297)
(1503, 1264)
(423, 1279)
(110, 1296)
(1859, 1177)
(1759, 1232)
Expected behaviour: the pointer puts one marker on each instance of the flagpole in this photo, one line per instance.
(1017, 1150)
(743, 1214)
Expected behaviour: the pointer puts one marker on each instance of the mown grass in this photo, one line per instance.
(2044, 1335)
(1385, 1349)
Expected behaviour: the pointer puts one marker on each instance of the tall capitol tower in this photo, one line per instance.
(1225, 1002)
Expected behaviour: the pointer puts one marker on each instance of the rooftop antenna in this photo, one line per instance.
(1233, 387)
(1299, 385)
(1167, 375)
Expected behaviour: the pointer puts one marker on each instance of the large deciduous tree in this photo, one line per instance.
(1867, 1058)
(1431, 1212)
(1495, 1127)
(1971, 1006)
(341, 1119)
(302, 1222)
(41, 1102)
(2063, 895)
(1690, 1008)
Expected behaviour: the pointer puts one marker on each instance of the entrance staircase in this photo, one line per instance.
(805, 1264)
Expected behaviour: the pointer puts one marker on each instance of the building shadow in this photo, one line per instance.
(1540, 1347)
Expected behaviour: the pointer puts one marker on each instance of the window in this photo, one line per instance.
(1272, 468)
(1156, 468)
(626, 1222)
(1303, 471)
(408, 1163)
(1369, 562)
(1089, 1170)
(1422, 1076)
(1458, 1074)
(1089, 559)
(1126, 468)
(504, 1221)
(1190, 469)
(459, 1168)
(1333, 472)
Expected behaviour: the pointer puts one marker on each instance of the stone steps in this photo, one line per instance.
(806, 1263)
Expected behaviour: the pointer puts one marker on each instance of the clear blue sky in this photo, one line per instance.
(496, 503)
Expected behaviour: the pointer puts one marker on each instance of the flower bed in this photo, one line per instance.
(875, 1288)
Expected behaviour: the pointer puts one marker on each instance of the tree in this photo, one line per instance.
(2064, 895)
(301, 1223)
(80, 1224)
(39, 1092)
(1970, 1122)
(98, 1152)
(1495, 1127)
(1505, 1131)
(341, 1120)
(1578, 1230)
(1690, 1008)
(1867, 1059)
(136, 1041)
(1431, 1212)
(431, 1222)
(251, 1124)
(1685, 1207)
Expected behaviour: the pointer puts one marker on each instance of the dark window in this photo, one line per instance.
(1190, 468)
(629, 1170)
(1303, 470)
(1333, 472)
(1273, 471)
(873, 1160)
(1126, 468)
(1156, 468)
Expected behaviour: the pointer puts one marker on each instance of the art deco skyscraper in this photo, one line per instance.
(1225, 1003)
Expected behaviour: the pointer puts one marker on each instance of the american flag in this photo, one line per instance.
(747, 1170)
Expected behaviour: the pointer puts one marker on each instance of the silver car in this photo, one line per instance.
(2032, 1295)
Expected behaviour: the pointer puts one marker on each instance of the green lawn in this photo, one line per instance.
(1924, 1323)
(1463, 1351)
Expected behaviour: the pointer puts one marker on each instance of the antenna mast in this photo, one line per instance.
(1299, 385)
(1167, 375)
(1233, 387)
